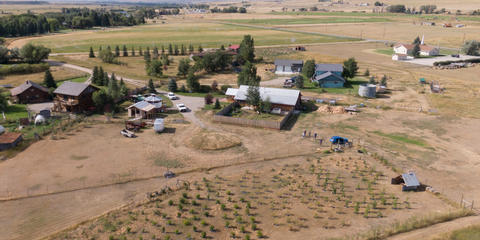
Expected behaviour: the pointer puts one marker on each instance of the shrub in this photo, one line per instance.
(23, 68)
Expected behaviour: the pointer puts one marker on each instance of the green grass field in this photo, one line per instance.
(350, 88)
(403, 138)
(16, 111)
(76, 79)
(291, 21)
(206, 34)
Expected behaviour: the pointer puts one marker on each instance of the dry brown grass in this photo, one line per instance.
(59, 74)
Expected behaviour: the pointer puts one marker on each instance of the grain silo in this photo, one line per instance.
(367, 90)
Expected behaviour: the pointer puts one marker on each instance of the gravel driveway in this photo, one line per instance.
(193, 104)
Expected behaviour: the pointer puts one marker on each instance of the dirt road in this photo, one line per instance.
(438, 229)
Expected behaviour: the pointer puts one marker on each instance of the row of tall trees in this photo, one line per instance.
(231, 9)
(77, 18)
(173, 50)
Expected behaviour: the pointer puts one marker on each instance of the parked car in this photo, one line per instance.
(181, 107)
(455, 55)
(171, 96)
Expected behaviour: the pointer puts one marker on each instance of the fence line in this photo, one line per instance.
(220, 117)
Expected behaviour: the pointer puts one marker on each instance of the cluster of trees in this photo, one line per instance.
(106, 99)
(231, 9)
(350, 68)
(219, 60)
(428, 9)
(78, 18)
(416, 48)
(27, 24)
(471, 48)
(29, 53)
(150, 13)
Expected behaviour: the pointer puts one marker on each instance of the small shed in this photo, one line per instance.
(409, 180)
(9, 140)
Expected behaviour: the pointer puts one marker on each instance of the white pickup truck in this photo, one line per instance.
(181, 107)
(171, 96)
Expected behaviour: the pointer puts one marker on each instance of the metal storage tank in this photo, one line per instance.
(159, 125)
(367, 90)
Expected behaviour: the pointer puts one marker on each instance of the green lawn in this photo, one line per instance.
(254, 116)
(76, 79)
(385, 51)
(206, 34)
(291, 21)
(400, 137)
(351, 87)
(16, 111)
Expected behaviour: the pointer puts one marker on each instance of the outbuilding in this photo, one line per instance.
(409, 180)
(283, 66)
(9, 140)
(285, 99)
(30, 92)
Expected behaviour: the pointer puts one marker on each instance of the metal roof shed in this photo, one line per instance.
(411, 182)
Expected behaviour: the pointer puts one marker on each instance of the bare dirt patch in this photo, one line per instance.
(207, 140)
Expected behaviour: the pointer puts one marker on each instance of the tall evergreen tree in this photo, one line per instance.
(151, 86)
(140, 52)
(309, 68)
(91, 54)
(170, 49)
(163, 49)
(350, 68)
(172, 85)
(133, 51)
(101, 76)
(117, 51)
(155, 53)
(247, 49)
(106, 79)
(125, 51)
(48, 80)
(200, 49)
(182, 50)
(95, 75)
(253, 96)
(146, 55)
(248, 75)
(100, 49)
(416, 50)
(190, 49)
(192, 81)
(417, 40)
(123, 88)
(176, 52)
(113, 88)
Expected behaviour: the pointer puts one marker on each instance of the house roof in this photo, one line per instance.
(410, 179)
(285, 62)
(275, 95)
(329, 67)
(328, 74)
(234, 47)
(9, 137)
(152, 99)
(143, 105)
(71, 88)
(26, 85)
(231, 91)
(423, 47)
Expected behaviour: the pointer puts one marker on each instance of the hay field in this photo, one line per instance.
(59, 74)
(184, 32)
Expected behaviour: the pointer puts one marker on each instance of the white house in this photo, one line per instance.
(399, 57)
(407, 49)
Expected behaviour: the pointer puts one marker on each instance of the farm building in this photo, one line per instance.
(73, 97)
(329, 75)
(399, 57)
(9, 140)
(288, 66)
(30, 92)
(147, 109)
(409, 180)
(234, 48)
(285, 99)
(407, 49)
